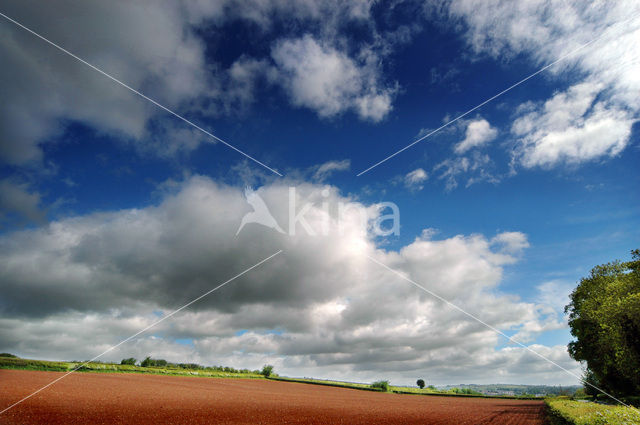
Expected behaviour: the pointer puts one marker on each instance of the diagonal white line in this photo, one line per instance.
(141, 331)
(544, 68)
(164, 108)
(499, 332)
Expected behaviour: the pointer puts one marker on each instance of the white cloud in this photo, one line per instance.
(324, 170)
(479, 132)
(555, 294)
(476, 166)
(244, 75)
(156, 50)
(321, 308)
(414, 179)
(593, 117)
(152, 50)
(264, 13)
(322, 78)
(451, 169)
(511, 242)
(571, 127)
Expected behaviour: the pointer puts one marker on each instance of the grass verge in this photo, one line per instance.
(28, 364)
(569, 412)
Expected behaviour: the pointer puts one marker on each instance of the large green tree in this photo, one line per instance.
(604, 316)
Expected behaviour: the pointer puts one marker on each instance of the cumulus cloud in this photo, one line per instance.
(244, 75)
(320, 77)
(479, 132)
(593, 117)
(321, 308)
(571, 127)
(266, 13)
(153, 50)
(158, 51)
(511, 242)
(414, 179)
(17, 199)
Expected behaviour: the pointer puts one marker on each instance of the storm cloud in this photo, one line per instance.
(88, 281)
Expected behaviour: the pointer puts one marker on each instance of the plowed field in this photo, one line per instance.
(101, 398)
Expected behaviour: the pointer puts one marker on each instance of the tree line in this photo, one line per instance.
(604, 317)
(267, 370)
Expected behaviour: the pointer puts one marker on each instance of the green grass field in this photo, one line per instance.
(27, 364)
(570, 412)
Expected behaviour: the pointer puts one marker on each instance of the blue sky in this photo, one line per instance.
(551, 165)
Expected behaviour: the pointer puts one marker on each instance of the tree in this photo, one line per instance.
(267, 370)
(420, 383)
(590, 383)
(604, 317)
(129, 361)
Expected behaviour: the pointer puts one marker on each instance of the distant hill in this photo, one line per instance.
(513, 389)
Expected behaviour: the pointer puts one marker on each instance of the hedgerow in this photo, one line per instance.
(570, 412)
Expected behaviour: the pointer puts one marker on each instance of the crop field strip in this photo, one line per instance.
(146, 398)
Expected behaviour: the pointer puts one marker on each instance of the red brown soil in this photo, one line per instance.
(94, 398)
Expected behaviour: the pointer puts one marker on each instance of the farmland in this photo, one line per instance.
(145, 398)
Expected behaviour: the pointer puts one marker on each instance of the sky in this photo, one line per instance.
(114, 212)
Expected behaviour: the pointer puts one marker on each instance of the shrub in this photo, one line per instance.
(8, 355)
(420, 383)
(149, 362)
(267, 370)
(190, 366)
(381, 385)
(580, 393)
(466, 391)
(130, 361)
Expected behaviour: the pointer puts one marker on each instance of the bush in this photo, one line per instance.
(580, 393)
(420, 383)
(190, 366)
(149, 362)
(13, 356)
(130, 361)
(267, 370)
(465, 391)
(381, 385)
